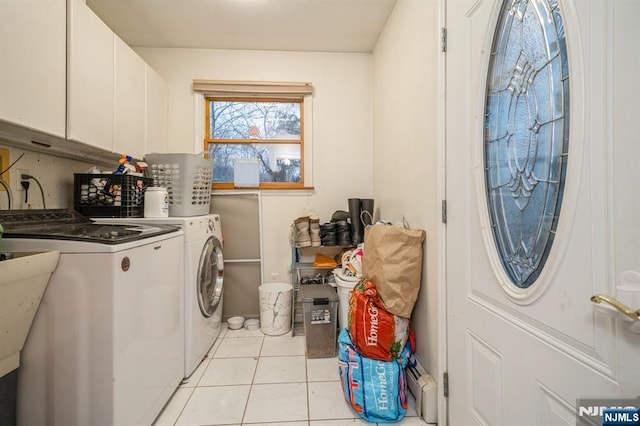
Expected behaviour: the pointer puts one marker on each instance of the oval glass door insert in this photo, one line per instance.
(526, 134)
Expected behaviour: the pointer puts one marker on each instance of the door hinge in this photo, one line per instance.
(443, 39)
(444, 211)
(445, 384)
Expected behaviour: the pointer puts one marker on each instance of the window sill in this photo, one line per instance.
(270, 186)
(303, 190)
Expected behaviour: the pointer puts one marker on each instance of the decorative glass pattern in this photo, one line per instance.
(526, 134)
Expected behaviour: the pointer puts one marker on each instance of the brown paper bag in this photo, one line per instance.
(393, 261)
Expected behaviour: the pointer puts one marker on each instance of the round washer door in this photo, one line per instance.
(210, 277)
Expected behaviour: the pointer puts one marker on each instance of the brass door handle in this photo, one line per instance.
(621, 307)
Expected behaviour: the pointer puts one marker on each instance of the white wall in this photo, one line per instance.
(54, 173)
(342, 126)
(405, 163)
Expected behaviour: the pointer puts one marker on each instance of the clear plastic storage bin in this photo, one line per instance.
(320, 310)
(187, 178)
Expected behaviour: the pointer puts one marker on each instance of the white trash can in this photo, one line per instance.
(275, 308)
(345, 286)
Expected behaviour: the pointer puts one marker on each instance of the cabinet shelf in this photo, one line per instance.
(319, 247)
(300, 261)
(309, 265)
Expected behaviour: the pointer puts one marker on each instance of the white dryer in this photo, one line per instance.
(203, 281)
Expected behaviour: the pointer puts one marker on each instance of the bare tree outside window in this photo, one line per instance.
(269, 130)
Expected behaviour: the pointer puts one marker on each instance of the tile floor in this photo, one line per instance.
(252, 379)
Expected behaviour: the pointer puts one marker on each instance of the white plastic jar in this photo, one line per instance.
(156, 202)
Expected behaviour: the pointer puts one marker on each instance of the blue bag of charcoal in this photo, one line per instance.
(377, 390)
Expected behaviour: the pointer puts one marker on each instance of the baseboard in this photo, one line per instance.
(425, 391)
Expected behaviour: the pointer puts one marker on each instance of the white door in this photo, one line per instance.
(519, 356)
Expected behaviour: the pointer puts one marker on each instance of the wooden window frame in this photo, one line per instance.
(263, 185)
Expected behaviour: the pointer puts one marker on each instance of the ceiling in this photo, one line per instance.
(294, 25)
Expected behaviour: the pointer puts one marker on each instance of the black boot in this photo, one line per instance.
(328, 234)
(343, 233)
(367, 212)
(355, 206)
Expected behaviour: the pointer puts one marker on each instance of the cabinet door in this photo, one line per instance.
(129, 100)
(157, 112)
(90, 85)
(33, 70)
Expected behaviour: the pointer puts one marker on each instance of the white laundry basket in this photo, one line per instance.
(275, 308)
(187, 178)
(345, 286)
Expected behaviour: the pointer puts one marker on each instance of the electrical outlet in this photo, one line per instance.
(18, 178)
(274, 276)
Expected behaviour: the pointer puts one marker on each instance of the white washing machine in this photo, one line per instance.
(203, 280)
(105, 347)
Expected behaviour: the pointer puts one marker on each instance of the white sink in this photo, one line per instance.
(23, 280)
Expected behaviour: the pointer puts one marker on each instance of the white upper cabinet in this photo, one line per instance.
(114, 100)
(90, 84)
(65, 73)
(156, 112)
(129, 101)
(33, 69)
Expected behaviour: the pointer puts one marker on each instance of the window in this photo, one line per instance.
(264, 122)
(268, 130)
(526, 134)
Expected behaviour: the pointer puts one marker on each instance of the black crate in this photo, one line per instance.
(106, 195)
